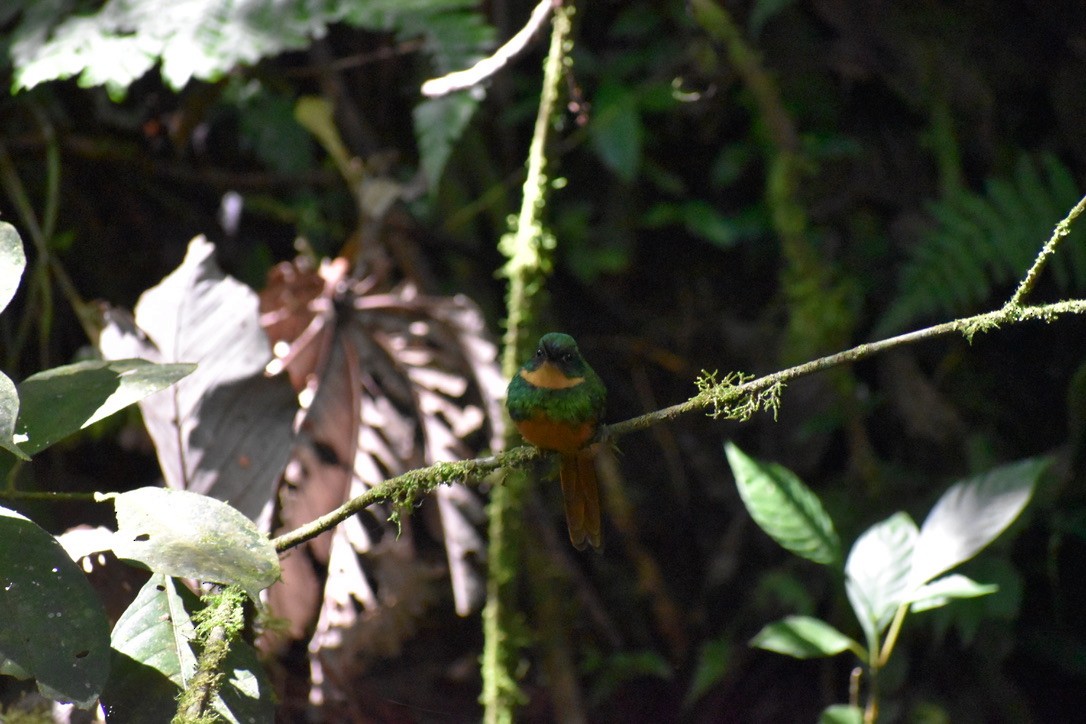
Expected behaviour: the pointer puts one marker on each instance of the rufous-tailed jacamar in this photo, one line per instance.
(556, 401)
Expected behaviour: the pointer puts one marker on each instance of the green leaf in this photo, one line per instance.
(58, 402)
(704, 221)
(206, 39)
(439, 123)
(877, 572)
(971, 515)
(841, 714)
(803, 637)
(941, 591)
(9, 413)
(714, 662)
(188, 535)
(12, 263)
(784, 507)
(616, 130)
(154, 659)
(123, 40)
(266, 120)
(52, 627)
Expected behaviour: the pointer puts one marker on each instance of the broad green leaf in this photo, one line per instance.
(12, 262)
(942, 590)
(9, 413)
(841, 714)
(784, 507)
(60, 401)
(154, 659)
(804, 637)
(971, 515)
(616, 130)
(877, 572)
(189, 535)
(52, 626)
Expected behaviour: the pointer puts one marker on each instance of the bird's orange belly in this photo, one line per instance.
(550, 435)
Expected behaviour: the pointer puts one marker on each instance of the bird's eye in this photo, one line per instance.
(539, 352)
(567, 357)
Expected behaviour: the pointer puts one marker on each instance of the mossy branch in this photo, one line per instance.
(736, 397)
(218, 626)
(403, 490)
(528, 248)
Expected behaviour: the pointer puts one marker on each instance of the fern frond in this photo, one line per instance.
(979, 243)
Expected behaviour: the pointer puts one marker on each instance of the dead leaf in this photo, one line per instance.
(391, 380)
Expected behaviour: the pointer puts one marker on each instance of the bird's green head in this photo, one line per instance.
(560, 351)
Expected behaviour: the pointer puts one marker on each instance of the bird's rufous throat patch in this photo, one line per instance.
(549, 377)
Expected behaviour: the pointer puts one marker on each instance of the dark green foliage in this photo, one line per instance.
(54, 629)
(668, 259)
(980, 244)
(205, 40)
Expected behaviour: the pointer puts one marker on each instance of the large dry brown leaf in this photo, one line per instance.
(391, 380)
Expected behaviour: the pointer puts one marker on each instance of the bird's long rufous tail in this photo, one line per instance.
(582, 498)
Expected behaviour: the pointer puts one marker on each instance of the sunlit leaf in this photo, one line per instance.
(12, 263)
(9, 413)
(943, 590)
(971, 515)
(60, 401)
(188, 535)
(877, 572)
(52, 627)
(784, 507)
(226, 430)
(205, 39)
(803, 637)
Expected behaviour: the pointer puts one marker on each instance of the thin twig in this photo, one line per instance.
(360, 59)
(488, 66)
(528, 247)
(1062, 229)
(47, 496)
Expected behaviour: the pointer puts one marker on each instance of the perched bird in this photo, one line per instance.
(556, 401)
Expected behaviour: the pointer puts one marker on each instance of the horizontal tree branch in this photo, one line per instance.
(728, 399)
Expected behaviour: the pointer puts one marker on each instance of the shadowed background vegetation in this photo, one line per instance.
(743, 186)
